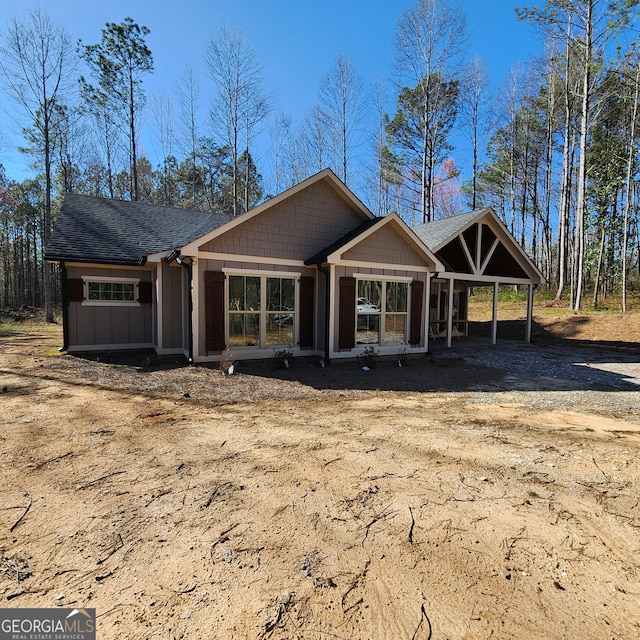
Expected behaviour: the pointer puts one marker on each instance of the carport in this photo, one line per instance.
(476, 249)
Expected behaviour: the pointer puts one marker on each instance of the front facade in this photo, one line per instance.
(310, 272)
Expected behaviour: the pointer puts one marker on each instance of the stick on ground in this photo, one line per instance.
(24, 513)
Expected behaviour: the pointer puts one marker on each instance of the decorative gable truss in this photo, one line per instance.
(484, 252)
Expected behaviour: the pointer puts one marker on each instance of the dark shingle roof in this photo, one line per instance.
(433, 234)
(90, 229)
(322, 256)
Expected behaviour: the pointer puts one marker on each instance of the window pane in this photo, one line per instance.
(369, 295)
(368, 331)
(236, 293)
(244, 293)
(105, 291)
(244, 329)
(94, 291)
(274, 294)
(280, 294)
(397, 296)
(252, 294)
(394, 328)
(289, 293)
(280, 329)
(128, 291)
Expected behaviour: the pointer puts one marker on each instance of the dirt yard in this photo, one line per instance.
(475, 493)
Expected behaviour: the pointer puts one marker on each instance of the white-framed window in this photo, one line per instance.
(262, 310)
(103, 291)
(382, 308)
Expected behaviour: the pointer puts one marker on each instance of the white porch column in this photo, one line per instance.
(427, 312)
(494, 320)
(195, 308)
(333, 305)
(450, 313)
(529, 312)
(159, 308)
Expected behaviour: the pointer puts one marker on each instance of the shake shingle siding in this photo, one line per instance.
(296, 228)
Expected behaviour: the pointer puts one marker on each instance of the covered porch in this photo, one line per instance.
(477, 250)
(449, 309)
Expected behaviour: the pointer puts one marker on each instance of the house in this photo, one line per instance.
(311, 271)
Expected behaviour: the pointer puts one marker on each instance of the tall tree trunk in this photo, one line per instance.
(596, 285)
(581, 204)
(629, 188)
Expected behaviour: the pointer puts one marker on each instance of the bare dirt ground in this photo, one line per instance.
(478, 493)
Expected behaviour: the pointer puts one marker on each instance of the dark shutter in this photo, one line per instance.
(306, 311)
(214, 310)
(347, 314)
(417, 295)
(145, 292)
(75, 290)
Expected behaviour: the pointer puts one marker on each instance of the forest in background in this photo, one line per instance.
(554, 152)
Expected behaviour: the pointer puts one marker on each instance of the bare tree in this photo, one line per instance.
(342, 105)
(429, 40)
(475, 116)
(162, 110)
(189, 98)
(633, 78)
(283, 151)
(239, 104)
(588, 27)
(314, 141)
(37, 65)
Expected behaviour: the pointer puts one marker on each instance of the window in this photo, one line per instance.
(261, 311)
(381, 311)
(110, 291)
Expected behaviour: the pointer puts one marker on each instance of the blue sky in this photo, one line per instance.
(296, 41)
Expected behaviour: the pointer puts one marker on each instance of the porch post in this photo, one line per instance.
(494, 321)
(159, 307)
(427, 305)
(450, 313)
(330, 311)
(529, 311)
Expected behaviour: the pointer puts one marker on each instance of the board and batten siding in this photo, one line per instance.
(95, 327)
(297, 228)
(172, 306)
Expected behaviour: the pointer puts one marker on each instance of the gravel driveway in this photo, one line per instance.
(557, 377)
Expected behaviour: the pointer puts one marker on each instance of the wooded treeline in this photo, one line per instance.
(554, 150)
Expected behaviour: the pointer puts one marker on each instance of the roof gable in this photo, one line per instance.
(326, 181)
(384, 241)
(294, 227)
(478, 244)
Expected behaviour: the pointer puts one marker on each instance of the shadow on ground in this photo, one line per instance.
(562, 332)
(471, 364)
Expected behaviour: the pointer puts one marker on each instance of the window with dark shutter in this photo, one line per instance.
(347, 314)
(75, 290)
(417, 295)
(214, 310)
(306, 311)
